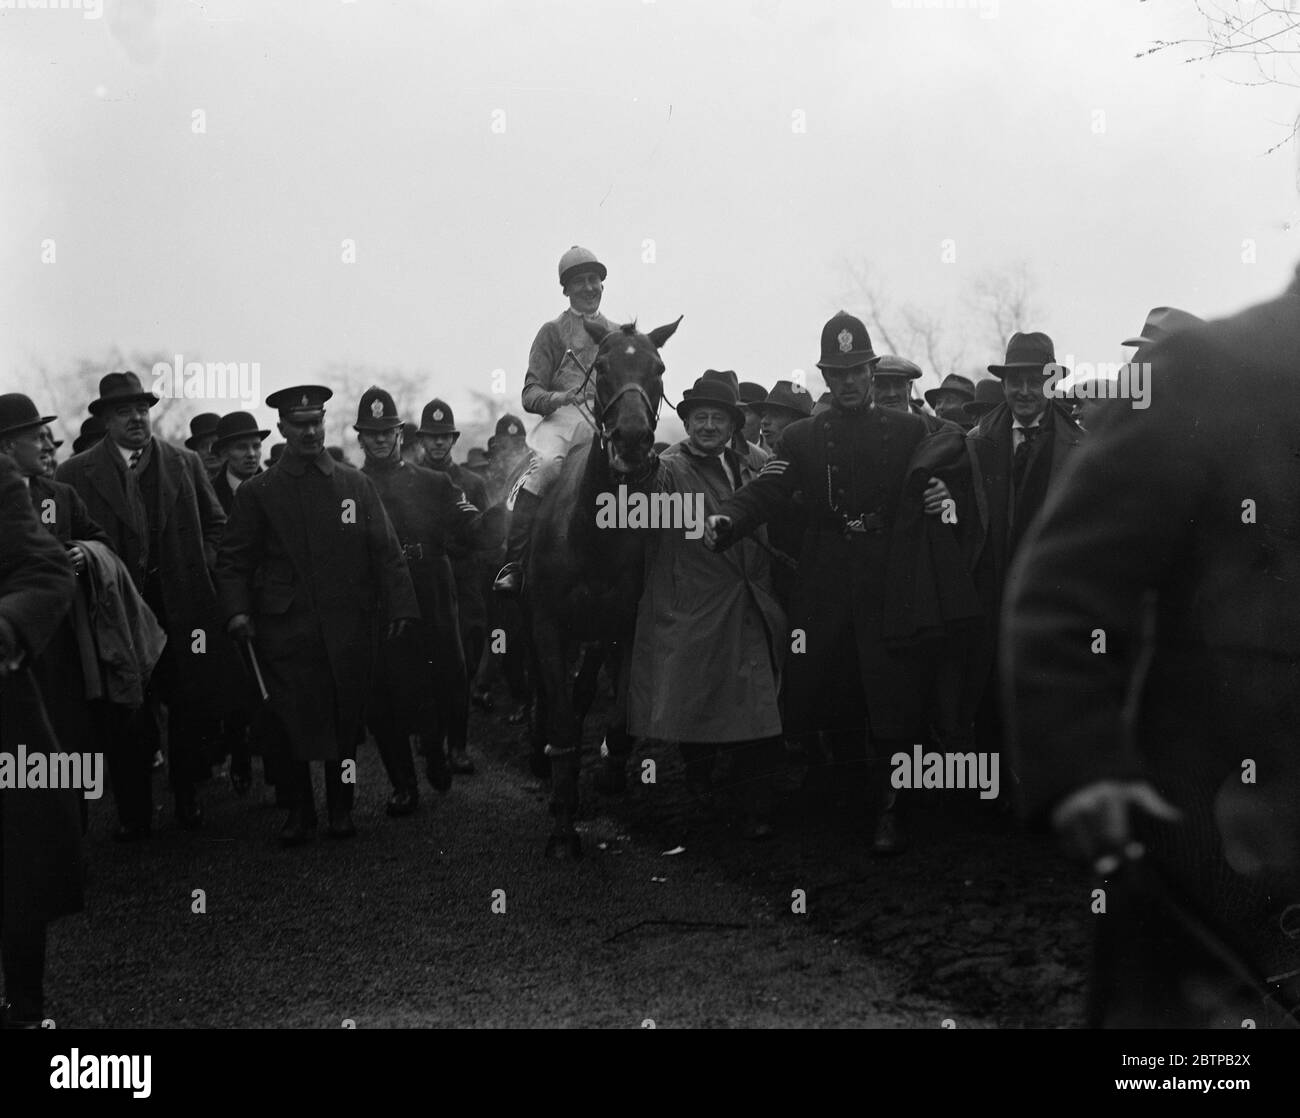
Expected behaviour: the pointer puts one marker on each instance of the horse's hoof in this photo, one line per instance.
(539, 765)
(611, 780)
(564, 848)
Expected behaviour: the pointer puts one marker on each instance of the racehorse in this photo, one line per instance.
(582, 582)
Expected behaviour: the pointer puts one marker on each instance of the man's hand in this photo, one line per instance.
(240, 627)
(398, 627)
(718, 532)
(78, 558)
(1093, 822)
(935, 494)
(574, 396)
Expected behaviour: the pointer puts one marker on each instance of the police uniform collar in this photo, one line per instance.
(297, 465)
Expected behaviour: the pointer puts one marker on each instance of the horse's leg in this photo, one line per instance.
(612, 777)
(539, 764)
(584, 686)
(563, 741)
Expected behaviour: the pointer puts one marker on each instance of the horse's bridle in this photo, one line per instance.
(597, 422)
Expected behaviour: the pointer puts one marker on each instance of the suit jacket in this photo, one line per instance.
(63, 513)
(41, 871)
(311, 555)
(221, 487)
(189, 523)
(1195, 499)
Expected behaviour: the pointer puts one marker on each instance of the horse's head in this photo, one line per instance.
(629, 389)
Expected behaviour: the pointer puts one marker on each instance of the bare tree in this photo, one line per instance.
(920, 334)
(1002, 302)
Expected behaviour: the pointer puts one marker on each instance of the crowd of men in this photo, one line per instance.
(987, 567)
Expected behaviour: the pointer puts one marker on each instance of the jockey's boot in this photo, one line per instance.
(510, 580)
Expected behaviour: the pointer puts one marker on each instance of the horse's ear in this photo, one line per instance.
(661, 334)
(596, 330)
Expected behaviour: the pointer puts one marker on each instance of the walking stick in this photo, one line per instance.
(257, 670)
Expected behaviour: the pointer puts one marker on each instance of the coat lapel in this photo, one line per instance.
(101, 472)
(169, 481)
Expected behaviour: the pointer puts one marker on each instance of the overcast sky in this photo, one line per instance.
(758, 145)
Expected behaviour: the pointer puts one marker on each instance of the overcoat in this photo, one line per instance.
(847, 465)
(190, 524)
(710, 636)
(311, 556)
(1194, 500)
(40, 829)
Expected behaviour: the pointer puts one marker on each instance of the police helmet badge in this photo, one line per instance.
(377, 408)
(846, 341)
(305, 401)
(437, 415)
(513, 429)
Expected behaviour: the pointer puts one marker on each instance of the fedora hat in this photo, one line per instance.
(92, 430)
(751, 393)
(202, 426)
(477, 459)
(1025, 352)
(1160, 323)
(845, 343)
(237, 425)
(712, 390)
(376, 411)
(120, 388)
(437, 419)
(988, 395)
(953, 382)
(18, 412)
(786, 396)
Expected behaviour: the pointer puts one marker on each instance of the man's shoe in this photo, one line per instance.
(159, 761)
(404, 801)
(509, 581)
(341, 825)
(131, 834)
(460, 763)
(298, 828)
(890, 836)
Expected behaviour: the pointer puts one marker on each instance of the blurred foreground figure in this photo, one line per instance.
(40, 828)
(1152, 662)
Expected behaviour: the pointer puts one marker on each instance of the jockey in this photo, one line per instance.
(556, 383)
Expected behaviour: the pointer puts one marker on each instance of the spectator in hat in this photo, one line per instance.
(438, 434)
(701, 615)
(155, 503)
(559, 384)
(237, 443)
(951, 397)
(988, 395)
(49, 451)
(476, 460)
(273, 456)
(1016, 454)
(751, 393)
(853, 467)
(787, 402)
(203, 433)
(891, 387)
(412, 448)
(310, 570)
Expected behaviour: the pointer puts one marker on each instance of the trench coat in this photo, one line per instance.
(1195, 500)
(710, 635)
(855, 462)
(311, 556)
(191, 523)
(40, 829)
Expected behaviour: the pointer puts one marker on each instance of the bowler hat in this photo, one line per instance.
(477, 459)
(1162, 321)
(710, 390)
(202, 426)
(237, 425)
(120, 388)
(751, 393)
(953, 382)
(845, 343)
(788, 397)
(1026, 352)
(437, 419)
(18, 412)
(92, 430)
(276, 453)
(988, 395)
(376, 411)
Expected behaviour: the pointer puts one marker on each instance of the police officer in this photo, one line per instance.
(420, 684)
(850, 463)
(438, 435)
(308, 569)
(556, 384)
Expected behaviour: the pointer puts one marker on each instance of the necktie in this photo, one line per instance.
(1020, 459)
(135, 458)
